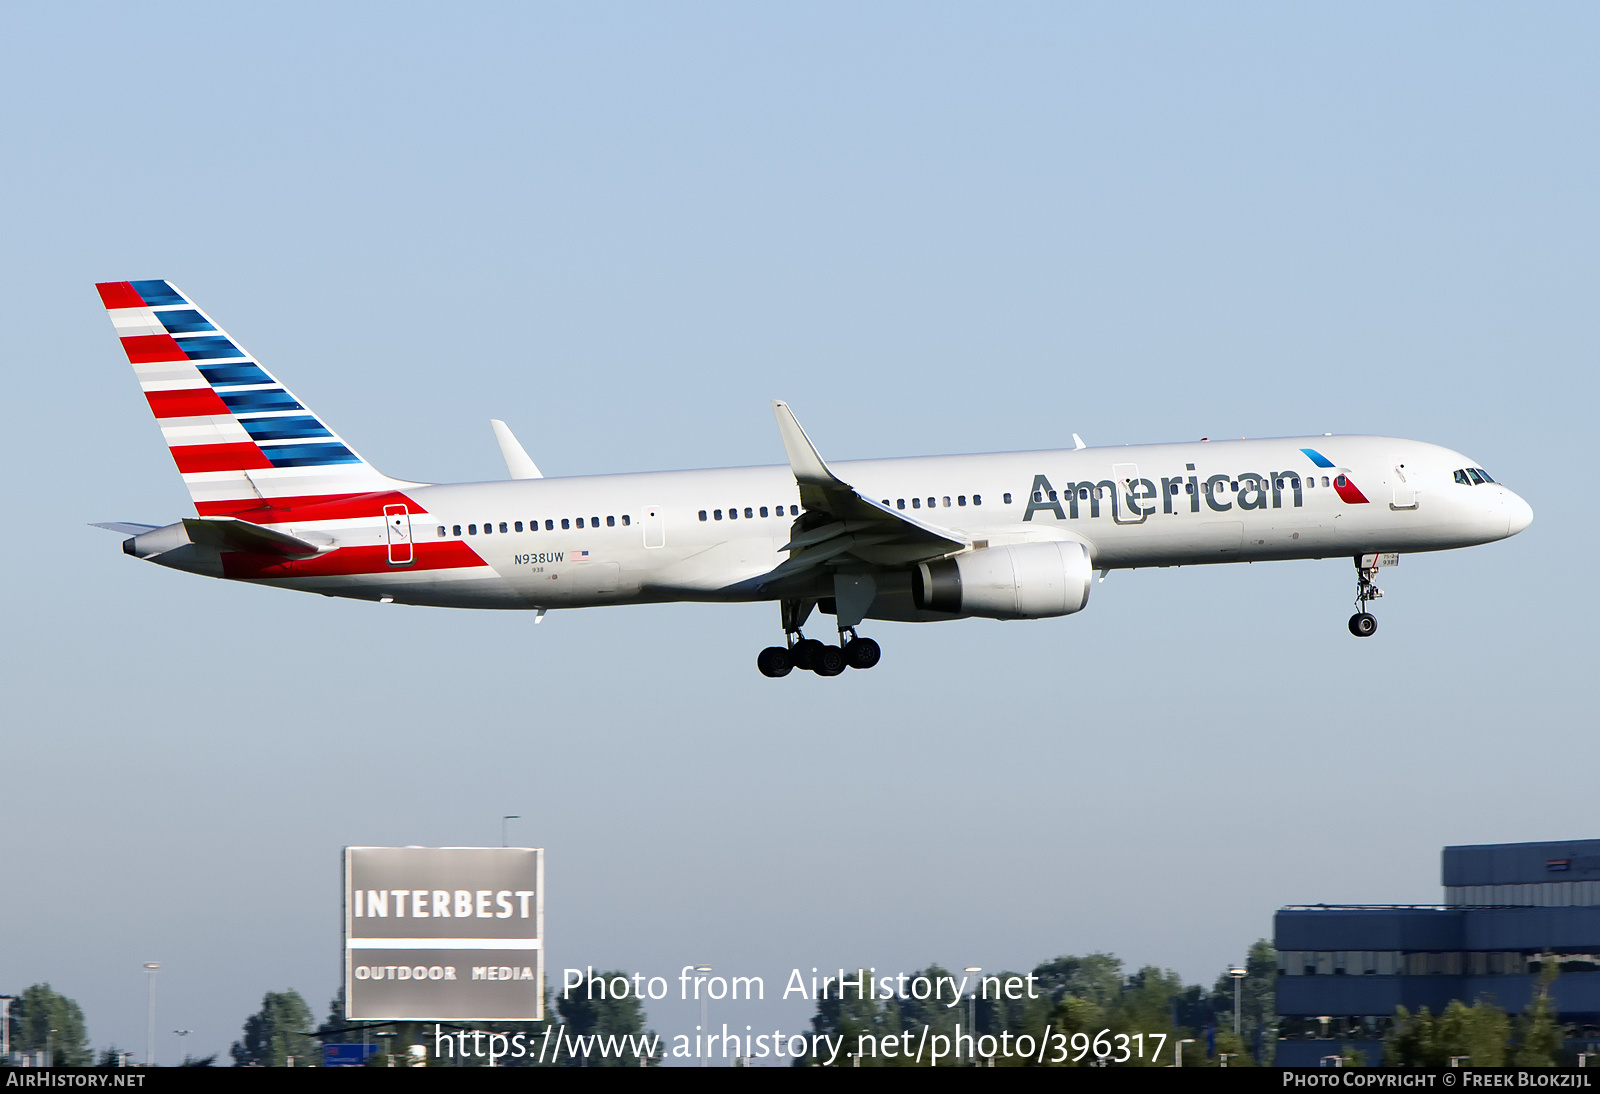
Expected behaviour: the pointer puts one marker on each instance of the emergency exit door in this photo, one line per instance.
(401, 552)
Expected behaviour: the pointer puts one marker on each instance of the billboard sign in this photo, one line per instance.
(451, 934)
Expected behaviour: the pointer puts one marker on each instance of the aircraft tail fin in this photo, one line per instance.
(241, 439)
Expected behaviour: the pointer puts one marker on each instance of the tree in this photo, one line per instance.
(1538, 1032)
(1479, 1032)
(607, 1017)
(42, 1020)
(275, 1032)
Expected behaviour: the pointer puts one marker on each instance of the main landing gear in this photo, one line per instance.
(852, 651)
(1363, 624)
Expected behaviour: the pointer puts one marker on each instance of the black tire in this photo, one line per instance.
(828, 661)
(774, 661)
(1363, 625)
(862, 653)
(803, 653)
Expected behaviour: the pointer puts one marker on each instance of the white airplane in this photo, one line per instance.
(281, 500)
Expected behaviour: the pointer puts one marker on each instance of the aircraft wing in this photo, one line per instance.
(841, 524)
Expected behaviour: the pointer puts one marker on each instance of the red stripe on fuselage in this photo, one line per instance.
(189, 402)
(451, 554)
(308, 507)
(241, 456)
(144, 349)
(116, 295)
(1348, 492)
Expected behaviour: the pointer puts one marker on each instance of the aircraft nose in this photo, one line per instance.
(1519, 514)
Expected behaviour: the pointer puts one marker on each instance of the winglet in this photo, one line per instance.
(808, 467)
(1077, 442)
(517, 461)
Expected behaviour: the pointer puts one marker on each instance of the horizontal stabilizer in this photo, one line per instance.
(233, 534)
(126, 528)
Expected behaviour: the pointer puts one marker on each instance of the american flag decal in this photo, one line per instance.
(580, 556)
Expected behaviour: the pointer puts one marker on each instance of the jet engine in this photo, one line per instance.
(1024, 581)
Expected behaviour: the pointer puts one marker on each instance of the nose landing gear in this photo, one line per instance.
(1364, 624)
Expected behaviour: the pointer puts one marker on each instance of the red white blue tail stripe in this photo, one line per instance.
(240, 439)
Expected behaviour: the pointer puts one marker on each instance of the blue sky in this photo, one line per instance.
(931, 228)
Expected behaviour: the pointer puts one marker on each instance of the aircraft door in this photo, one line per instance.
(398, 520)
(1128, 505)
(1405, 492)
(655, 527)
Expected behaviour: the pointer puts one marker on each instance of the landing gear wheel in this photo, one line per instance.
(1363, 625)
(828, 661)
(804, 652)
(862, 653)
(774, 661)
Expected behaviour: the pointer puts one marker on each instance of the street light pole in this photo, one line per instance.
(5, 1030)
(1238, 974)
(151, 967)
(972, 1014)
(705, 1024)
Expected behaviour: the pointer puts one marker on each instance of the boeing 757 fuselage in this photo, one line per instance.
(282, 500)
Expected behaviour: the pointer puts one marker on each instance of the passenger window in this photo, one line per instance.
(1188, 487)
(763, 510)
(594, 522)
(626, 520)
(1006, 499)
(702, 514)
(1053, 496)
(947, 501)
(794, 510)
(1277, 483)
(748, 513)
(1324, 480)
(1083, 494)
(580, 522)
(517, 526)
(900, 503)
(441, 531)
(1339, 481)
(457, 529)
(565, 523)
(549, 526)
(930, 503)
(977, 499)
(961, 499)
(733, 514)
(502, 526)
(916, 503)
(488, 529)
(717, 513)
(472, 529)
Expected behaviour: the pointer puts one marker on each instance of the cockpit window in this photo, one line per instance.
(1477, 479)
(1461, 477)
(1472, 476)
(1481, 471)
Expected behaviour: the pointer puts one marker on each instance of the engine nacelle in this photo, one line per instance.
(1025, 581)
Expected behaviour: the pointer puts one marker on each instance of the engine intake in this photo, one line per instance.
(1026, 581)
